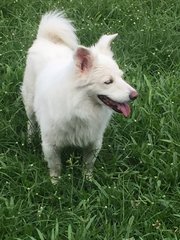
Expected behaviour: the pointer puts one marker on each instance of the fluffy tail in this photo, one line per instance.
(55, 27)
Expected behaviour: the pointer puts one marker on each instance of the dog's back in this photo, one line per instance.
(56, 38)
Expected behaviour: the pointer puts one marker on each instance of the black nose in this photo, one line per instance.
(133, 95)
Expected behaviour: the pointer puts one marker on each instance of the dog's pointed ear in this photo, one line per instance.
(104, 43)
(83, 59)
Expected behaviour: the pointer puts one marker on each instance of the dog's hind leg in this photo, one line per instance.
(31, 126)
(89, 156)
(27, 91)
(31, 122)
(52, 156)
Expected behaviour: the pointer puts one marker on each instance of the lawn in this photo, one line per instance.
(135, 194)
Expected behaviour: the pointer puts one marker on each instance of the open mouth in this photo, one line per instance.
(116, 106)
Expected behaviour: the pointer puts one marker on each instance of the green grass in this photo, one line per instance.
(136, 191)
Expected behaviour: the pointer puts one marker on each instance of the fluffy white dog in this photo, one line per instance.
(71, 91)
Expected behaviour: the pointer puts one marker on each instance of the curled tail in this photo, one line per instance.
(55, 27)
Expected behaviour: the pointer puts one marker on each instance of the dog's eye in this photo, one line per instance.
(109, 81)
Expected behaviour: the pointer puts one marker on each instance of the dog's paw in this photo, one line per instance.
(55, 180)
(29, 139)
(89, 176)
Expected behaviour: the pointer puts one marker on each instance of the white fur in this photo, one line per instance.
(60, 88)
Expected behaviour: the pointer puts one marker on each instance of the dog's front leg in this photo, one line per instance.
(52, 156)
(89, 157)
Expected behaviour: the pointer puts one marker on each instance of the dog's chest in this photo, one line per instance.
(82, 132)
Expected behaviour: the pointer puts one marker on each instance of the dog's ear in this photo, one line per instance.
(83, 59)
(104, 44)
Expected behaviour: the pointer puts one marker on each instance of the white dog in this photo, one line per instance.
(71, 91)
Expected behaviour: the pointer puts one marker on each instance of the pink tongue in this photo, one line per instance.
(124, 108)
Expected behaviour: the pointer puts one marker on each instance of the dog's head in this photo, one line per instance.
(98, 72)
